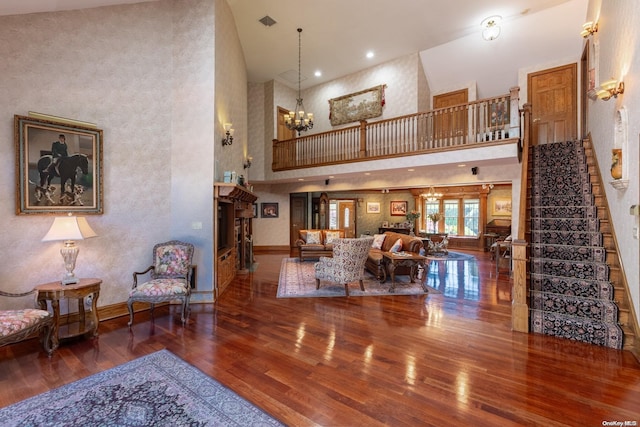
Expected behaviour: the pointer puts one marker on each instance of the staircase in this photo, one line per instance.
(576, 287)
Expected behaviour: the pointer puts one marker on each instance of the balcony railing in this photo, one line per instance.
(484, 122)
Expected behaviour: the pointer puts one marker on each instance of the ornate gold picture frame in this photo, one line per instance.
(357, 106)
(71, 183)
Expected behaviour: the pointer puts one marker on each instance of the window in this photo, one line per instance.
(431, 208)
(451, 217)
(461, 217)
(471, 217)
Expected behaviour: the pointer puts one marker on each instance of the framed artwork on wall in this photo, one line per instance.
(373, 207)
(501, 207)
(58, 167)
(399, 208)
(269, 210)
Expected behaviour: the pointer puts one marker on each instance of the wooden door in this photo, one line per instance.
(454, 123)
(298, 203)
(347, 217)
(552, 95)
(284, 132)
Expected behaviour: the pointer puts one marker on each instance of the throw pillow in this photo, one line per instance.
(397, 246)
(313, 237)
(331, 236)
(378, 240)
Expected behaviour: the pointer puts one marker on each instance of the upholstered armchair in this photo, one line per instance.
(18, 325)
(347, 264)
(170, 276)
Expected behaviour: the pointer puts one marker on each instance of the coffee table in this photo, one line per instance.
(412, 260)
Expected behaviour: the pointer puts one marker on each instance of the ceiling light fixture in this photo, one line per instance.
(296, 120)
(491, 27)
(431, 195)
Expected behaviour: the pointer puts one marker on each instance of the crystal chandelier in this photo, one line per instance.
(431, 195)
(296, 120)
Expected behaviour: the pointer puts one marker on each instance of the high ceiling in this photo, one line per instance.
(336, 33)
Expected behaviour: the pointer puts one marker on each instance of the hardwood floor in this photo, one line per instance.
(442, 359)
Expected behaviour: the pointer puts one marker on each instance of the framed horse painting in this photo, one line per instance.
(58, 166)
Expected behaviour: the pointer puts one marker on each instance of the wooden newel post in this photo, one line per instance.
(363, 138)
(519, 306)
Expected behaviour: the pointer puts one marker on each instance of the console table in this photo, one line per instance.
(86, 322)
(392, 260)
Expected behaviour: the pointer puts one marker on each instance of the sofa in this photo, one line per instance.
(374, 261)
(315, 243)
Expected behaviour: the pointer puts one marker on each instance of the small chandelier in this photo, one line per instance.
(296, 120)
(431, 195)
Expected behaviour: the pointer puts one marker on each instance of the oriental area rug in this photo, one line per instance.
(159, 389)
(297, 280)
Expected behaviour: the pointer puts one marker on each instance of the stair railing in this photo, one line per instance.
(483, 122)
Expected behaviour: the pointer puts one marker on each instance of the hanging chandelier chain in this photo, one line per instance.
(299, 60)
(299, 120)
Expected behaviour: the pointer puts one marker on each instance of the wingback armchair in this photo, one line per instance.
(346, 265)
(170, 276)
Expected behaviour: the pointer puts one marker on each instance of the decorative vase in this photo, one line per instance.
(411, 233)
(616, 163)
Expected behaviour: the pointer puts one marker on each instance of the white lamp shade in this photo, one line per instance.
(69, 228)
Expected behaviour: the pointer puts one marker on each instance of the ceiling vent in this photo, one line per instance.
(267, 21)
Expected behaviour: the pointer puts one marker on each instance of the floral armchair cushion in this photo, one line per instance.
(172, 260)
(14, 321)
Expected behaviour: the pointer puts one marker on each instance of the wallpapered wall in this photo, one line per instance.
(618, 38)
(149, 84)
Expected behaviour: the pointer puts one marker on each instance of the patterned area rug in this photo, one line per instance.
(297, 280)
(159, 389)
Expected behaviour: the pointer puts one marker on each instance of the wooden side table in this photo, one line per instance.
(86, 322)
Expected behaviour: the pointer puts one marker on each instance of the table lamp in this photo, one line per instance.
(69, 229)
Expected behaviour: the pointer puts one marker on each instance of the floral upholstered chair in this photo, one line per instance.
(347, 264)
(170, 277)
(18, 325)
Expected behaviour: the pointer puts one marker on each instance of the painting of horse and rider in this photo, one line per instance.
(58, 167)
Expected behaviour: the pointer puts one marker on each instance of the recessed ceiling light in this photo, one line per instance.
(411, 170)
(318, 73)
(370, 54)
(331, 176)
(367, 173)
(300, 179)
(461, 165)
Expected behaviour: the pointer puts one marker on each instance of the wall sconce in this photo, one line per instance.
(491, 29)
(588, 28)
(228, 140)
(610, 88)
(385, 191)
(247, 163)
(489, 186)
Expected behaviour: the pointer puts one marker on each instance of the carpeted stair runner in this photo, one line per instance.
(571, 296)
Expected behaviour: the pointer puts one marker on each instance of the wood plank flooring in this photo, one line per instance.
(438, 360)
